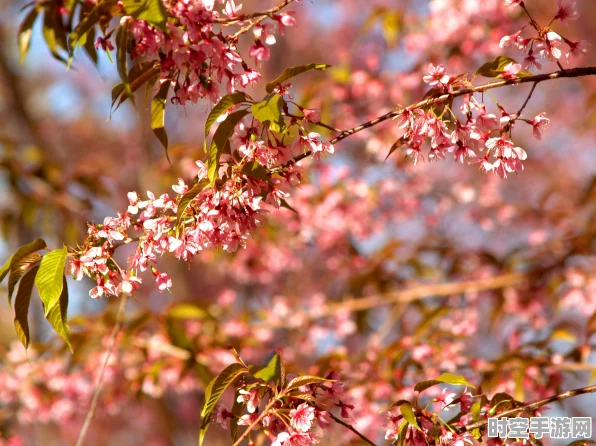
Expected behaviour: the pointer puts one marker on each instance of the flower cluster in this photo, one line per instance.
(196, 55)
(203, 215)
(296, 416)
(546, 43)
(480, 132)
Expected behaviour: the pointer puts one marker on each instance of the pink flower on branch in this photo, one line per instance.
(567, 11)
(437, 77)
(302, 417)
(539, 123)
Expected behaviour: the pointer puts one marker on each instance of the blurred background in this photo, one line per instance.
(365, 227)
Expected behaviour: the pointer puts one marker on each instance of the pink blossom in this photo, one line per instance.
(436, 76)
(163, 282)
(530, 60)
(567, 11)
(250, 398)
(302, 417)
(539, 123)
(511, 70)
(576, 49)
(507, 41)
(259, 51)
(323, 418)
(222, 415)
(181, 188)
(295, 439)
(312, 115)
(549, 47)
(129, 284)
(392, 424)
(285, 19)
(104, 43)
(231, 9)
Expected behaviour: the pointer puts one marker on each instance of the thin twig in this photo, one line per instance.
(259, 418)
(260, 16)
(99, 385)
(509, 125)
(526, 101)
(534, 406)
(533, 22)
(244, 17)
(319, 124)
(347, 426)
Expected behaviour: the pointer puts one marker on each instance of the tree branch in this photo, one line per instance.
(573, 72)
(254, 15)
(347, 426)
(533, 406)
(409, 295)
(259, 418)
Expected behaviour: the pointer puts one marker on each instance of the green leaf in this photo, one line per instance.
(237, 408)
(122, 45)
(272, 371)
(220, 138)
(214, 391)
(403, 429)
(445, 378)
(137, 76)
(78, 35)
(392, 24)
(408, 413)
(158, 115)
(88, 41)
(23, 251)
(496, 67)
(304, 396)
(257, 171)
(49, 278)
(221, 107)
(188, 197)
(269, 112)
(284, 204)
(306, 380)
(188, 311)
(25, 32)
(21, 306)
(152, 11)
(294, 71)
(396, 404)
(177, 335)
(52, 32)
(57, 315)
(89, 46)
(18, 270)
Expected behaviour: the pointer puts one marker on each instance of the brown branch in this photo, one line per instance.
(534, 406)
(254, 15)
(573, 72)
(522, 108)
(409, 295)
(259, 418)
(348, 426)
(247, 27)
